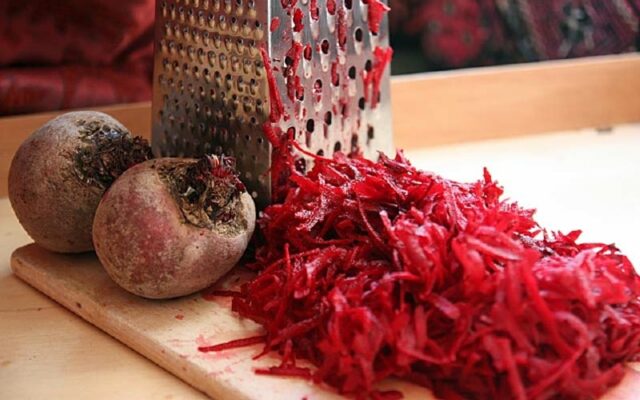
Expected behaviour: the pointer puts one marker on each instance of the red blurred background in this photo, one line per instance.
(78, 53)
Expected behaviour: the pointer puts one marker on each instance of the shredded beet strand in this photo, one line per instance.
(233, 344)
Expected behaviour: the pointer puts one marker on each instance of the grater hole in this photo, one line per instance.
(291, 132)
(344, 110)
(317, 90)
(311, 125)
(328, 118)
(320, 153)
(307, 52)
(354, 143)
(361, 103)
(370, 134)
(358, 35)
(348, 4)
(288, 61)
(337, 147)
(368, 66)
(324, 46)
(301, 165)
(352, 72)
(335, 77)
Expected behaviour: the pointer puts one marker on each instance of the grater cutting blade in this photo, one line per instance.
(328, 60)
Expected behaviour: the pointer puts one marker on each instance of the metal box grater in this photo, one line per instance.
(211, 84)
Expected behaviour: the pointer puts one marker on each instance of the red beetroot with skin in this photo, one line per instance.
(59, 174)
(170, 227)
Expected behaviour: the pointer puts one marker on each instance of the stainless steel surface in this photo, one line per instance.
(210, 84)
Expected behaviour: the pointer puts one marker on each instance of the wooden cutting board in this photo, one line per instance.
(169, 332)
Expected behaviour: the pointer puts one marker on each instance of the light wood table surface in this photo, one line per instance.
(47, 352)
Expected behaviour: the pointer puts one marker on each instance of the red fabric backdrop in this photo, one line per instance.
(57, 54)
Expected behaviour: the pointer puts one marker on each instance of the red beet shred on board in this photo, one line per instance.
(377, 269)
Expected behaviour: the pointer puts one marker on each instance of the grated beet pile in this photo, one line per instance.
(376, 269)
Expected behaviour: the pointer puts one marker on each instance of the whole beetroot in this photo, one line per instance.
(59, 174)
(170, 227)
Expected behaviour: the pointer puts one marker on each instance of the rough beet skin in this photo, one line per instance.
(59, 174)
(170, 227)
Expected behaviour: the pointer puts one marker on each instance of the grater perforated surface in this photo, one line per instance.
(211, 92)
